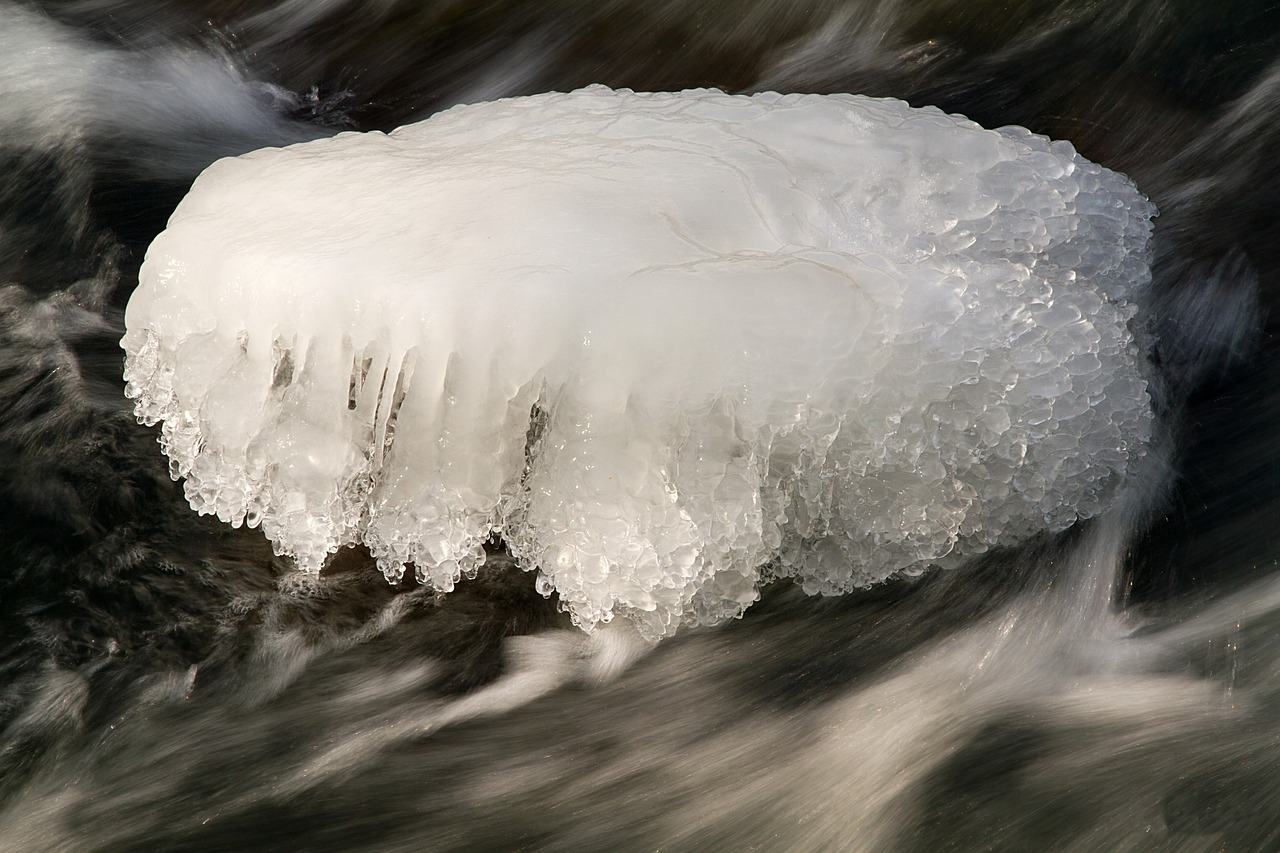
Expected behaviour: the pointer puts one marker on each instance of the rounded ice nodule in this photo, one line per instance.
(654, 340)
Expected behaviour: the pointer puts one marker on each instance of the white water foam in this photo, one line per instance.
(166, 112)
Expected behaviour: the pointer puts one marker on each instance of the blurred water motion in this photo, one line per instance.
(165, 684)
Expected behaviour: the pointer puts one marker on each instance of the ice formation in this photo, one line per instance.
(667, 345)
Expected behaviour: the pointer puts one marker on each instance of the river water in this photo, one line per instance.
(167, 684)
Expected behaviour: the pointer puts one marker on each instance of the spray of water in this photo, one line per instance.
(165, 685)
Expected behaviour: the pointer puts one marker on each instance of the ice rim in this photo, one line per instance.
(890, 340)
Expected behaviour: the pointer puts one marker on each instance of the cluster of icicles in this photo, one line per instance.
(667, 346)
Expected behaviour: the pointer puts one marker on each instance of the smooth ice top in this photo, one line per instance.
(664, 344)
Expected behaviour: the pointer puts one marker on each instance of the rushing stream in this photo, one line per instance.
(166, 684)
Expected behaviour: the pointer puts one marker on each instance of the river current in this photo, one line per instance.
(166, 684)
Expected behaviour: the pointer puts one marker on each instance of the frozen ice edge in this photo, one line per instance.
(888, 339)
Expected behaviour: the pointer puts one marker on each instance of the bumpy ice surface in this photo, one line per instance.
(665, 344)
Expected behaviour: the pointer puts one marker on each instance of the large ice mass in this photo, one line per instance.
(667, 346)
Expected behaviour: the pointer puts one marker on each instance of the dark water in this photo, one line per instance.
(165, 684)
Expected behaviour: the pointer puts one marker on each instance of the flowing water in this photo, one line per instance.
(166, 684)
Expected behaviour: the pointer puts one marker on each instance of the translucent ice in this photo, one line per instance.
(664, 344)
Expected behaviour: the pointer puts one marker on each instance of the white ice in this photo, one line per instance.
(667, 345)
